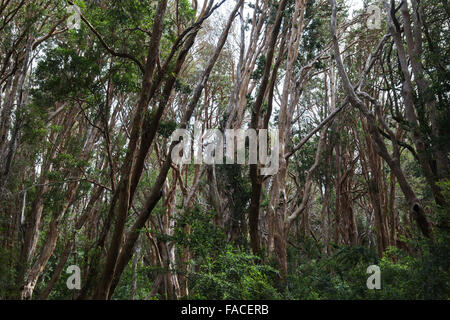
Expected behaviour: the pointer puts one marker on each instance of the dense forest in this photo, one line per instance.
(99, 198)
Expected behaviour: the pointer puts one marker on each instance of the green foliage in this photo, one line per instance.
(220, 270)
(233, 274)
(403, 276)
(204, 238)
(7, 273)
(166, 128)
(259, 70)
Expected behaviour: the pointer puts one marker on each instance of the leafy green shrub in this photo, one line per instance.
(403, 276)
(233, 274)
